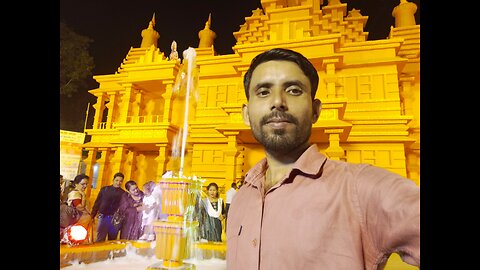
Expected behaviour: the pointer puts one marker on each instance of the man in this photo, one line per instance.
(297, 209)
(106, 203)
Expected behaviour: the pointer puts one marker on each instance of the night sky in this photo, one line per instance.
(116, 25)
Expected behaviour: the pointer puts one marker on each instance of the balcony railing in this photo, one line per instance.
(147, 119)
(144, 119)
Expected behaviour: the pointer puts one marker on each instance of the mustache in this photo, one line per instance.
(278, 115)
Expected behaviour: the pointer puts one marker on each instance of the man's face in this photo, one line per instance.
(117, 181)
(280, 111)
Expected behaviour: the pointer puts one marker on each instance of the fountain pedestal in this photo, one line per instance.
(174, 235)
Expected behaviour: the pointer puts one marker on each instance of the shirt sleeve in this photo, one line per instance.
(97, 203)
(390, 207)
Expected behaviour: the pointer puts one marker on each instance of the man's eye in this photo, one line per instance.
(295, 91)
(263, 92)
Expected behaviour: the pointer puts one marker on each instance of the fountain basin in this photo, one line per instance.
(115, 249)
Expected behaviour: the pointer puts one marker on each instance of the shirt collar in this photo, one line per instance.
(310, 163)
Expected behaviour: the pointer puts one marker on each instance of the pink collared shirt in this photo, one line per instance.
(325, 214)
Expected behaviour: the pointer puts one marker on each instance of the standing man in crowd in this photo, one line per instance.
(298, 209)
(106, 203)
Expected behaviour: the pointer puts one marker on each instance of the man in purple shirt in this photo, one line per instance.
(298, 209)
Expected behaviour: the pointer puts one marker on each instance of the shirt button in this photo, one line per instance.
(254, 242)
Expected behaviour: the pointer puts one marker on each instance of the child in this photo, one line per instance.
(150, 208)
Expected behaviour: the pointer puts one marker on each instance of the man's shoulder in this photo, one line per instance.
(362, 172)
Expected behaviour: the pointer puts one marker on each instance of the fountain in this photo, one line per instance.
(180, 194)
(174, 234)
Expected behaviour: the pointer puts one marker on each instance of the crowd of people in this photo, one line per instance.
(124, 211)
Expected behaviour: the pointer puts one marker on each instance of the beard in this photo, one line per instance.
(280, 141)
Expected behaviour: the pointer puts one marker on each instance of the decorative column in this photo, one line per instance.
(129, 163)
(162, 159)
(136, 105)
(411, 104)
(334, 151)
(187, 167)
(90, 161)
(124, 105)
(149, 107)
(167, 97)
(330, 77)
(99, 107)
(111, 106)
(410, 99)
(118, 159)
(102, 170)
(231, 154)
(140, 169)
(413, 165)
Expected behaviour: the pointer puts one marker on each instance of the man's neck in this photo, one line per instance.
(280, 164)
(273, 176)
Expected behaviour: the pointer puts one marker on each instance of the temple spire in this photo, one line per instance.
(404, 14)
(206, 35)
(149, 35)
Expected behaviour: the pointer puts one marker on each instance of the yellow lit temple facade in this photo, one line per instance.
(370, 93)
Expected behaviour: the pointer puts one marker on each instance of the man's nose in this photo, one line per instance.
(279, 100)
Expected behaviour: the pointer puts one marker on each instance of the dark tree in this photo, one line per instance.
(76, 64)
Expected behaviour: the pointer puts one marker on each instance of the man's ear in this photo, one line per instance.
(245, 117)
(316, 108)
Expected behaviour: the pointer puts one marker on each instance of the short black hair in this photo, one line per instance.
(283, 55)
(119, 174)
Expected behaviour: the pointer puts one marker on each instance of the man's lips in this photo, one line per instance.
(277, 122)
